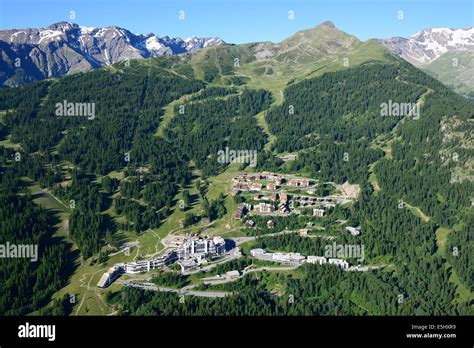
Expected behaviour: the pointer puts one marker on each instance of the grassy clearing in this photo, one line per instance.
(8, 144)
(441, 238)
(262, 123)
(168, 113)
(373, 177)
(461, 290)
(417, 212)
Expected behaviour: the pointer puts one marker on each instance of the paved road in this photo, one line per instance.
(241, 240)
(366, 268)
(183, 291)
(229, 256)
(223, 279)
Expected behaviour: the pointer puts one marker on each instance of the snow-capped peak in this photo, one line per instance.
(429, 44)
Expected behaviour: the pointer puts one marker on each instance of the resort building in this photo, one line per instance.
(284, 258)
(204, 247)
(147, 265)
(319, 260)
(263, 208)
(318, 212)
(108, 277)
(339, 262)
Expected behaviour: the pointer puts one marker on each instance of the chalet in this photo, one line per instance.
(268, 175)
(278, 180)
(274, 197)
(354, 231)
(298, 182)
(240, 212)
(235, 190)
(292, 182)
(254, 176)
(255, 187)
(263, 208)
(282, 208)
(304, 182)
(271, 187)
(270, 224)
(303, 232)
(283, 197)
(249, 223)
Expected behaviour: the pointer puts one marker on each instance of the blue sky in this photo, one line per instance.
(240, 21)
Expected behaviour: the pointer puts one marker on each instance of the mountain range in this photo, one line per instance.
(65, 48)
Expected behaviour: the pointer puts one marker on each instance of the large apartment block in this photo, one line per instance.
(204, 247)
(147, 265)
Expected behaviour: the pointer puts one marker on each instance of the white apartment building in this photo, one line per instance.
(108, 277)
(147, 265)
(339, 262)
(318, 212)
(204, 247)
(317, 260)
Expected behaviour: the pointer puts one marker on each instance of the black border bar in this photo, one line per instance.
(197, 331)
